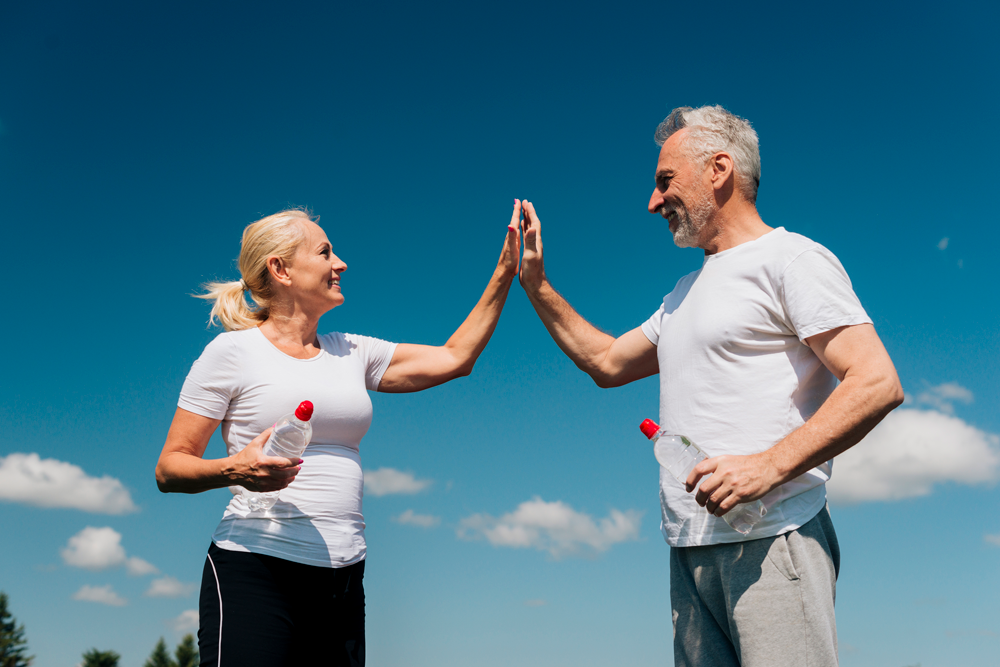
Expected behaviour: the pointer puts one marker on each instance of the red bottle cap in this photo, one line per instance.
(649, 428)
(305, 411)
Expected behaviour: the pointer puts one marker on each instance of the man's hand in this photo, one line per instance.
(732, 480)
(532, 264)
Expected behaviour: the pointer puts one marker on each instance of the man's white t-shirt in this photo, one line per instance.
(736, 376)
(248, 383)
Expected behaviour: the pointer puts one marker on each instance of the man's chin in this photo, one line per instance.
(682, 240)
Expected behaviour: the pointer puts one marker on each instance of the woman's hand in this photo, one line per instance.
(181, 468)
(252, 469)
(417, 367)
(510, 255)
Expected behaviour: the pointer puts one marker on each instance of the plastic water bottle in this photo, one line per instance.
(679, 456)
(289, 438)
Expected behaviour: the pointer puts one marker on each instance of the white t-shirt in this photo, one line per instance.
(248, 383)
(735, 376)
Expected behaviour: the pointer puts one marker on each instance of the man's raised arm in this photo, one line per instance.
(611, 362)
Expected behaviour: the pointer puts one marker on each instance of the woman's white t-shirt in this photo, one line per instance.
(248, 383)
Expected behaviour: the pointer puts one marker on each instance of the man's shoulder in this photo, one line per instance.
(784, 246)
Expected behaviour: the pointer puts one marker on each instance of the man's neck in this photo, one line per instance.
(734, 224)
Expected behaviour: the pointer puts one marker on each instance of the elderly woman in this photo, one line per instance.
(284, 586)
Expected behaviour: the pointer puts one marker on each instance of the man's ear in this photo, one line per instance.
(278, 270)
(721, 165)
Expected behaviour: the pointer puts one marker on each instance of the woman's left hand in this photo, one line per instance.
(417, 367)
(511, 254)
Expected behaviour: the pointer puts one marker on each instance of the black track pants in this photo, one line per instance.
(261, 611)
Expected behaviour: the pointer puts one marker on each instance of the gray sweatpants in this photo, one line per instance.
(761, 603)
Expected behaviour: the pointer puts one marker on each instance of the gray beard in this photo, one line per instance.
(691, 220)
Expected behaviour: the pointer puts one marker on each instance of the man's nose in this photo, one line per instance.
(655, 201)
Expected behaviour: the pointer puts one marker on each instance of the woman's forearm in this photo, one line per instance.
(470, 339)
(179, 472)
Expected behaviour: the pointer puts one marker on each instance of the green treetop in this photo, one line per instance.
(95, 658)
(13, 645)
(160, 657)
(187, 653)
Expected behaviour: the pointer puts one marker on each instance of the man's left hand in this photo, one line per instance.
(732, 480)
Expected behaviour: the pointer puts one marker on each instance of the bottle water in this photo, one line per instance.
(679, 456)
(289, 438)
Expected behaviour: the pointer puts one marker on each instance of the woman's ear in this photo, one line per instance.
(278, 269)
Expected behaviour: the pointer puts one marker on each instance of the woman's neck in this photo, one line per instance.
(292, 333)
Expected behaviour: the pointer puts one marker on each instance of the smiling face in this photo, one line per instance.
(315, 271)
(684, 194)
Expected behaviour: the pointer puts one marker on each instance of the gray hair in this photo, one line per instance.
(714, 130)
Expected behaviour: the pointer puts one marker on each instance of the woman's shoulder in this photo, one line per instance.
(229, 343)
(341, 343)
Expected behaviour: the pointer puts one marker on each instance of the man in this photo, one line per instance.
(749, 349)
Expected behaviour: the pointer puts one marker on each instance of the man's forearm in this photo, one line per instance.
(586, 345)
(855, 407)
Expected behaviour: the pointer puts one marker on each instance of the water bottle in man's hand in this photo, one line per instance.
(289, 438)
(679, 456)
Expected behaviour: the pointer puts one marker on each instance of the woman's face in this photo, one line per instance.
(315, 271)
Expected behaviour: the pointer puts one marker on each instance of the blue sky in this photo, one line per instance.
(136, 141)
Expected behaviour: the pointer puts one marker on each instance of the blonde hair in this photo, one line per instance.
(277, 235)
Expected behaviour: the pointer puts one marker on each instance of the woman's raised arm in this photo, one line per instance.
(417, 367)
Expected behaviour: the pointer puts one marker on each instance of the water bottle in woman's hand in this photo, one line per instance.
(679, 456)
(289, 438)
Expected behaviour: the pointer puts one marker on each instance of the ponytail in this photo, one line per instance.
(231, 309)
(277, 235)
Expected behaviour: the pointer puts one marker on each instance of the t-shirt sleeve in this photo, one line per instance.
(818, 295)
(651, 327)
(213, 380)
(376, 355)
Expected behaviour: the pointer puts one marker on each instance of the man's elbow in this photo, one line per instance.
(892, 393)
(606, 380)
(896, 396)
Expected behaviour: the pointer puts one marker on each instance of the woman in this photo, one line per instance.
(284, 586)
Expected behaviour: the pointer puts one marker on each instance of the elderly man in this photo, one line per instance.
(749, 349)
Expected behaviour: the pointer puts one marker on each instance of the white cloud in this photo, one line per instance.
(168, 587)
(101, 594)
(385, 481)
(943, 396)
(137, 567)
(94, 549)
(100, 549)
(911, 451)
(553, 527)
(186, 622)
(992, 539)
(29, 479)
(943, 243)
(409, 517)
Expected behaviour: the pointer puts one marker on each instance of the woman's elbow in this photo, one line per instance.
(463, 369)
(162, 479)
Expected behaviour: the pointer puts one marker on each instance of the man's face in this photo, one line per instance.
(683, 193)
